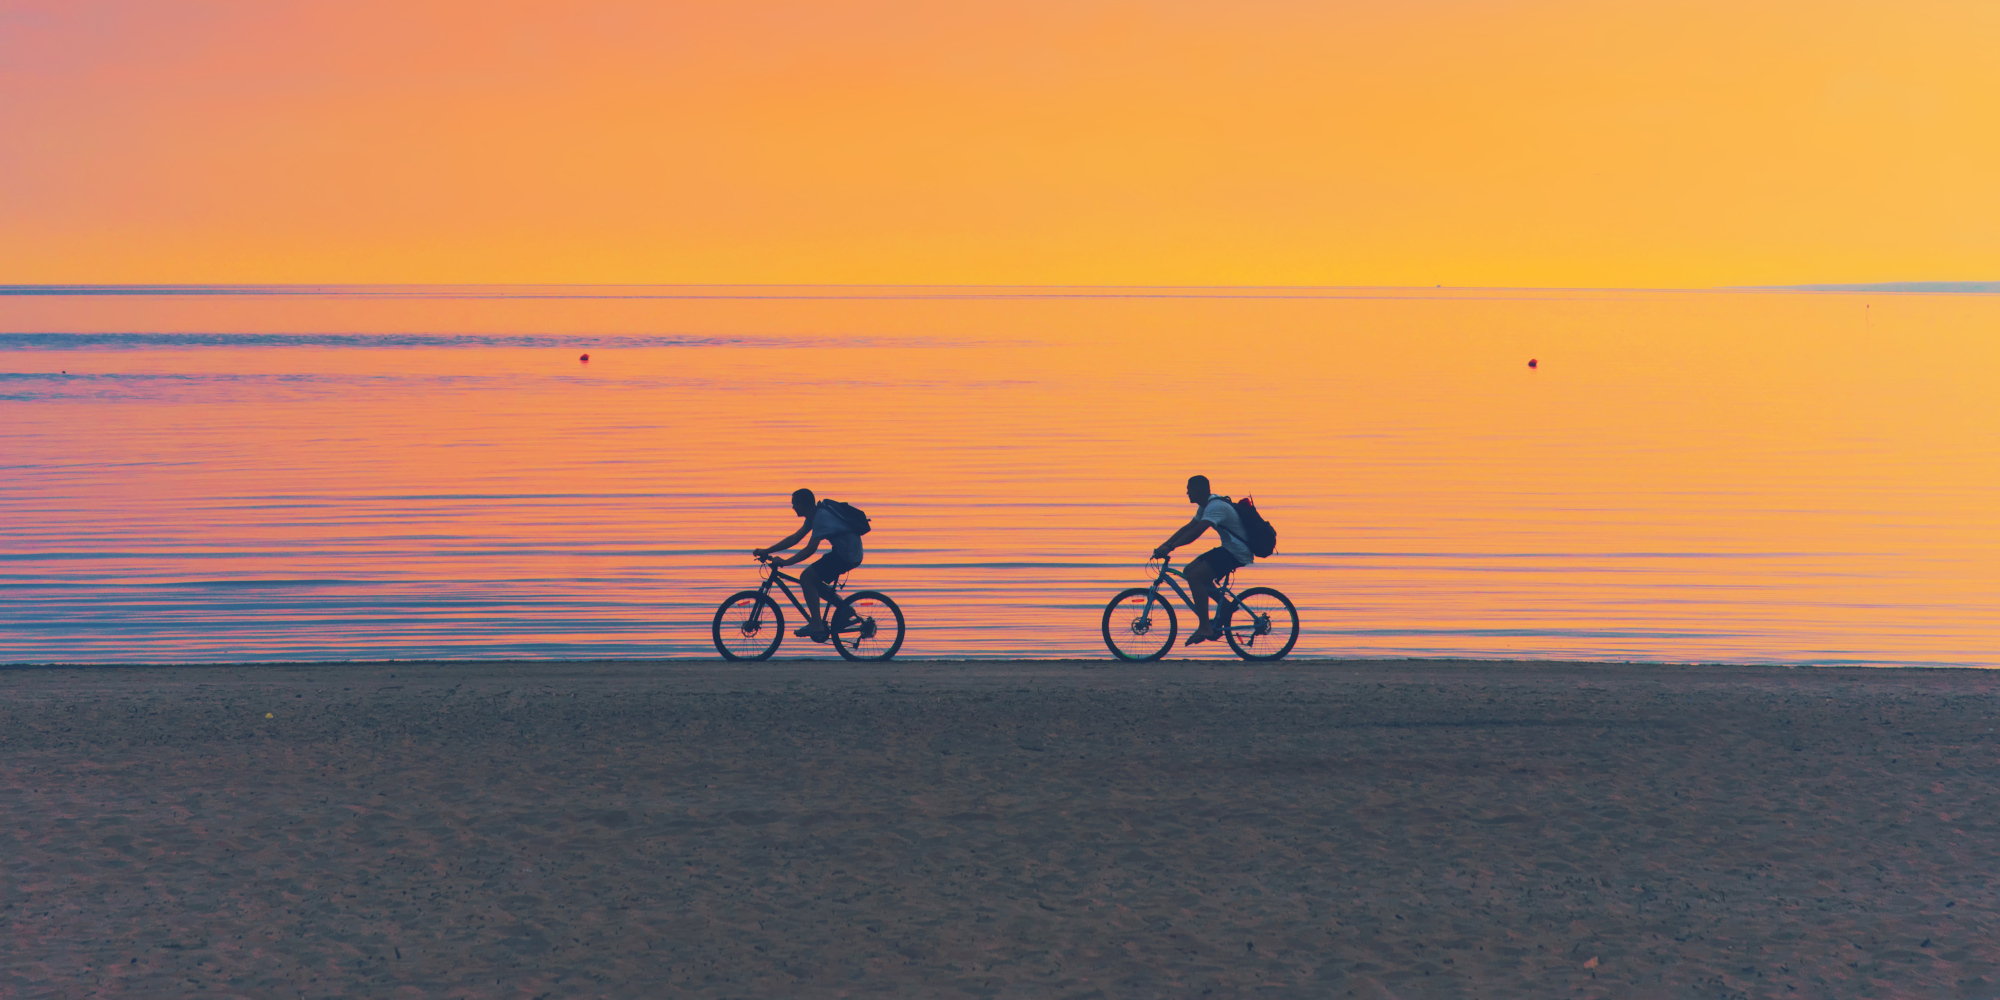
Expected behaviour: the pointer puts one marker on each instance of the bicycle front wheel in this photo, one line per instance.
(748, 626)
(868, 626)
(1140, 625)
(1263, 625)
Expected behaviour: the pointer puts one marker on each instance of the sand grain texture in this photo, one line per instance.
(998, 830)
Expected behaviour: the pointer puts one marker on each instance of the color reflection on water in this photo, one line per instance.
(256, 474)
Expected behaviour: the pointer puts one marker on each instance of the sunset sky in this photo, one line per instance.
(1462, 142)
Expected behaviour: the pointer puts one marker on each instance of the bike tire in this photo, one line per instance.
(1138, 630)
(1278, 614)
(746, 618)
(861, 624)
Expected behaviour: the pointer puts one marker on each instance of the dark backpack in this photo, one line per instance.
(1263, 538)
(854, 517)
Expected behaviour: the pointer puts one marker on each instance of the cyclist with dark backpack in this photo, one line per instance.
(1244, 535)
(840, 525)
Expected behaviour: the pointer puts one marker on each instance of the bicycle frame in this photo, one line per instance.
(777, 577)
(1225, 597)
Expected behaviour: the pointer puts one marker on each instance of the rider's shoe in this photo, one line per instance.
(1199, 635)
(816, 631)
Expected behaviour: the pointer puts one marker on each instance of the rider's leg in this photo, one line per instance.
(809, 582)
(817, 581)
(827, 592)
(1202, 580)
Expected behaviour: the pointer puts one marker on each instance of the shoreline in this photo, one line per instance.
(940, 661)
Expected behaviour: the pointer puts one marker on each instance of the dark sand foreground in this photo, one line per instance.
(998, 830)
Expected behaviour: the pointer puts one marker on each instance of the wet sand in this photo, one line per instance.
(1052, 829)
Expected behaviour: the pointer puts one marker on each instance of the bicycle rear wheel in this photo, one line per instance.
(1133, 628)
(868, 626)
(1263, 625)
(748, 626)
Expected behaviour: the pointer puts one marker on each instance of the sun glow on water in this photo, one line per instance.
(331, 474)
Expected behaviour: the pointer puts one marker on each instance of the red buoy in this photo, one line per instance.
(1531, 361)
(587, 358)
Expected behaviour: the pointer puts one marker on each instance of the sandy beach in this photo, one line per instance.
(998, 829)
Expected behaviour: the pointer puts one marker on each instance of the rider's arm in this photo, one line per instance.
(1188, 533)
(803, 555)
(788, 541)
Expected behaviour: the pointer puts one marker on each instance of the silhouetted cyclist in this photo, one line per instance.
(1211, 566)
(817, 579)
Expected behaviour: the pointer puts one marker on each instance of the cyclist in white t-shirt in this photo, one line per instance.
(1207, 569)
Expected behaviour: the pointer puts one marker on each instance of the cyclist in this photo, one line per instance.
(817, 579)
(1207, 569)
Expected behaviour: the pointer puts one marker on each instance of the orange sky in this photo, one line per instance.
(1570, 142)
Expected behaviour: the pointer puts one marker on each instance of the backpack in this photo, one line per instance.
(854, 517)
(1263, 538)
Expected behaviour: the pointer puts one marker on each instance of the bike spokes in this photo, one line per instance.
(748, 626)
(868, 626)
(1263, 625)
(1139, 624)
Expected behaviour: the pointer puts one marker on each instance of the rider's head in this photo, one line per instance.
(1198, 489)
(802, 502)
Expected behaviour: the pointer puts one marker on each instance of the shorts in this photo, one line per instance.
(1219, 561)
(832, 567)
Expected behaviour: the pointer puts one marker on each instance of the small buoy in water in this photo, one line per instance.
(268, 715)
(1531, 363)
(584, 358)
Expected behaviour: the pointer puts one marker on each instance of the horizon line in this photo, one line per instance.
(725, 290)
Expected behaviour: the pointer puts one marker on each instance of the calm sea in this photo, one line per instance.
(222, 474)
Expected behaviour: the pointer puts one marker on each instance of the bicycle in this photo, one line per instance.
(749, 625)
(1263, 624)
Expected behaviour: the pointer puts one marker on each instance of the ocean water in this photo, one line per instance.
(251, 474)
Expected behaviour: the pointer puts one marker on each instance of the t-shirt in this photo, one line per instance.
(1221, 513)
(845, 543)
